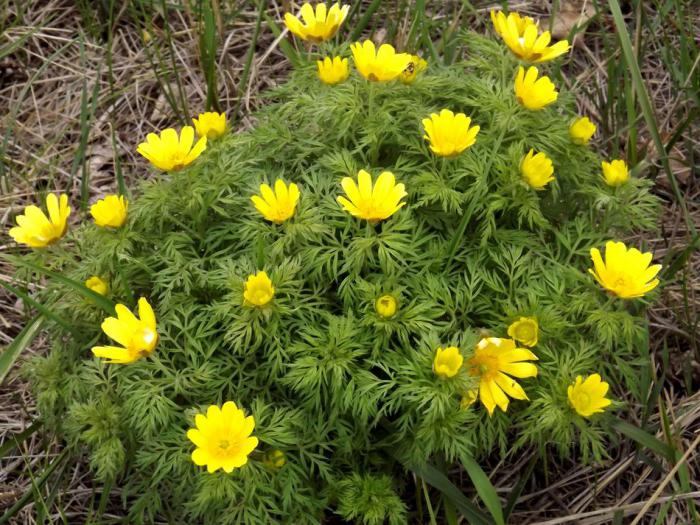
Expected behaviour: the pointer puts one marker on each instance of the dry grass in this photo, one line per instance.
(45, 100)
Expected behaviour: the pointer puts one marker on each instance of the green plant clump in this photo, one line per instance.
(349, 397)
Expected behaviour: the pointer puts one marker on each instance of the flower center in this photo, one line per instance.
(524, 332)
(485, 366)
(224, 444)
(583, 400)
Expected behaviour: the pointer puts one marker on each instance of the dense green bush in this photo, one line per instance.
(348, 396)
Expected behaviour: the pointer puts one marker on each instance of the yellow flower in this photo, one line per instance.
(379, 65)
(537, 169)
(137, 335)
(211, 125)
(520, 35)
(587, 396)
(448, 362)
(372, 204)
(625, 273)
(274, 459)
(97, 285)
(333, 71)
(449, 134)
(414, 67)
(493, 359)
(581, 130)
(385, 306)
(222, 438)
(110, 212)
(615, 173)
(524, 330)
(35, 229)
(318, 26)
(468, 399)
(258, 290)
(534, 93)
(277, 206)
(168, 152)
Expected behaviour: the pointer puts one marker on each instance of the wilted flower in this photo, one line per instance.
(372, 204)
(448, 362)
(449, 134)
(625, 272)
(520, 35)
(534, 93)
(319, 25)
(277, 206)
(413, 69)
(581, 130)
(537, 169)
(468, 399)
(258, 290)
(385, 306)
(211, 125)
(333, 71)
(493, 359)
(587, 396)
(35, 229)
(222, 438)
(97, 285)
(615, 173)
(137, 335)
(379, 65)
(168, 152)
(110, 212)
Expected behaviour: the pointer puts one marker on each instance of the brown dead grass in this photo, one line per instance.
(40, 155)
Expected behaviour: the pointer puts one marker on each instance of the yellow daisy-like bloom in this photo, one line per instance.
(35, 229)
(110, 212)
(333, 71)
(372, 203)
(448, 362)
(318, 26)
(277, 206)
(385, 306)
(380, 65)
(414, 68)
(494, 361)
(468, 399)
(625, 272)
(168, 152)
(211, 125)
(274, 459)
(258, 290)
(525, 330)
(449, 134)
(537, 169)
(137, 335)
(520, 35)
(581, 130)
(587, 396)
(97, 285)
(222, 438)
(534, 93)
(615, 173)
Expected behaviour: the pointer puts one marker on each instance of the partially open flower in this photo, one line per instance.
(97, 285)
(379, 65)
(525, 330)
(211, 125)
(615, 173)
(581, 130)
(587, 396)
(35, 229)
(258, 290)
(333, 71)
(534, 93)
(110, 212)
(318, 25)
(279, 205)
(537, 169)
(413, 69)
(385, 306)
(449, 134)
(137, 335)
(625, 272)
(448, 362)
(168, 152)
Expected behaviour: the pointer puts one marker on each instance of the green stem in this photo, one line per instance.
(457, 239)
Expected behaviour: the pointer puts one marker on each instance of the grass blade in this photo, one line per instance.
(16, 439)
(484, 487)
(22, 341)
(43, 310)
(644, 438)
